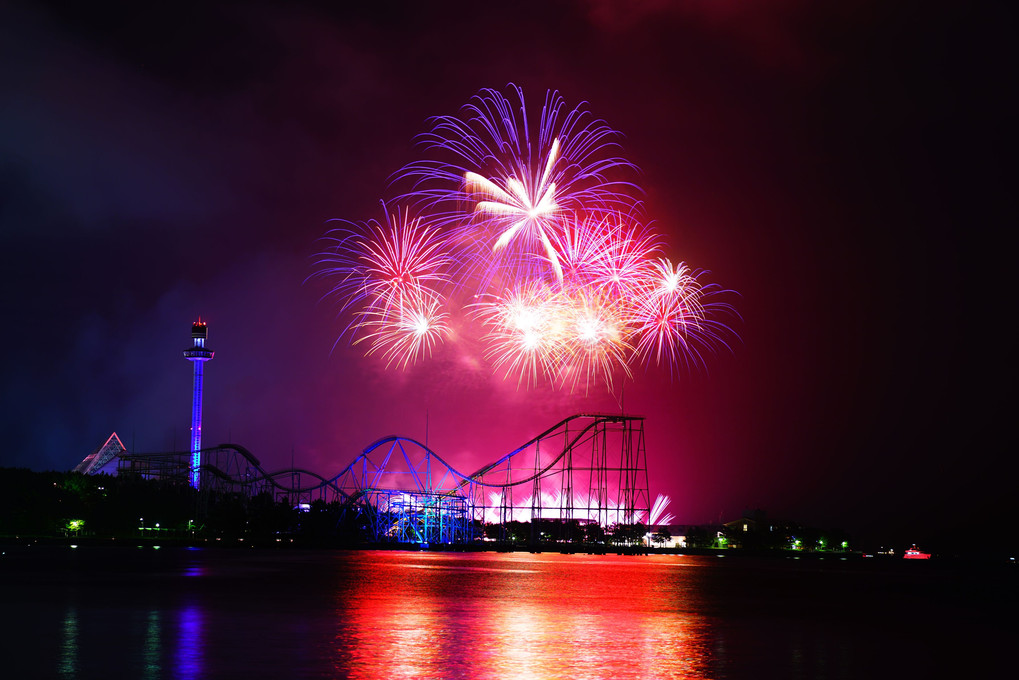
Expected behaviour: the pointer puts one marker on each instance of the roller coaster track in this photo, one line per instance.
(569, 471)
(478, 476)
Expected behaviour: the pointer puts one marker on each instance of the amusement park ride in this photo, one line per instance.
(588, 468)
(591, 468)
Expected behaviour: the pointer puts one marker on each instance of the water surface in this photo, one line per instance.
(199, 613)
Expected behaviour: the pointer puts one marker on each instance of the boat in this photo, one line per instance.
(915, 553)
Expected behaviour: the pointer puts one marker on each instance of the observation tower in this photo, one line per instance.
(197, 354)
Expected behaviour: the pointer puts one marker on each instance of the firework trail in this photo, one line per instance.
(658, 515)
(537, 234)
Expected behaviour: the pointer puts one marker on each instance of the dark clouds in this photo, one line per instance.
(839, 167)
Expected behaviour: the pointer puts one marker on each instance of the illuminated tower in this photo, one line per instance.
(198, 354)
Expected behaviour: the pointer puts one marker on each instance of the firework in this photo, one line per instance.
(536, 332)
(391, 277)
(658, 515)
(500, 187)
(384, 263)
(677, 318)
(536, 232)
(606, 251)
(525, 331)
(625, 267)
(597, 343)
(405, 331)
(584, 508)
(581, 246)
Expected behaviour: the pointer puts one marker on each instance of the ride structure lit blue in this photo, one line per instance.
(197, 354)
(589, 468)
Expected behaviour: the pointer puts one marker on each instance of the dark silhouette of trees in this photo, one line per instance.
(662, 536)
(57, 504)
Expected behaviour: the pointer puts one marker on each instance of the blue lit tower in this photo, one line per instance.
(197, 354)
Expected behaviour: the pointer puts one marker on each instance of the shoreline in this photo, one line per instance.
(231, 544)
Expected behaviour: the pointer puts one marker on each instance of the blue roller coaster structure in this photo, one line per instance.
(588, 468)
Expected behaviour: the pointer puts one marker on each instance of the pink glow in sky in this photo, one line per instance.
(837, 164)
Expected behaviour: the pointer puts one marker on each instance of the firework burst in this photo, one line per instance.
(658, 516)
(625, 267)
(676, 318)
(597, 341)
(384, 264)
(390, 276)
(497, 185)
(405, 331)
(539, 230)
(524, 331)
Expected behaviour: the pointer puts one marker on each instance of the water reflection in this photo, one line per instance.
(282, 614)
(189, 642)
(517, 616)
(383, 631)
(152, 647)
(69, 644)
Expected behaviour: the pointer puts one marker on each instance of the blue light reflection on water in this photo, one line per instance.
(232, 613)
(190, 643)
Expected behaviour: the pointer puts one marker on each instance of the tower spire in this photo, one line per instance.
(197, 354)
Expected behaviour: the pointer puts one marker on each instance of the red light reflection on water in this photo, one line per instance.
(412, 615)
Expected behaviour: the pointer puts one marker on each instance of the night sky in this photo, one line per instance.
(843, 166)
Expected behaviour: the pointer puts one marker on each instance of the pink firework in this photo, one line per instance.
(581, 245)
(573, 338)
(524, 331)
(584, 507)
(597, 342)
(405, 331)
(381, 265)
(658, 516)
(391, 277)
(628, 251)
(676, 317)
